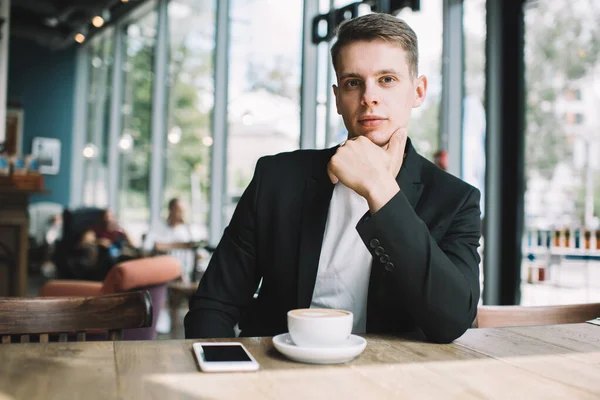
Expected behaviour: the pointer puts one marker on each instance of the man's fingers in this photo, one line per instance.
(395, 150)
(334, 179)
(397, 142)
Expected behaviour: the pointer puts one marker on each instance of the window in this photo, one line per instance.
(474, 116)
(136, 112)
(425, 122)
(264, 86)
(562, 201)
(95, 190)
(191, 97)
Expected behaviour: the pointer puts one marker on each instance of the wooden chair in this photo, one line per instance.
(499, 316)
(63, 315)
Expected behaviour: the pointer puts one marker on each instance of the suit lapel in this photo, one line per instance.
(409, 180)
(315, 206)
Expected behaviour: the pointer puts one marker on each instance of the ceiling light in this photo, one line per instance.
(90, 151)
(126, 142)
(98, 21)
(207, 141)
(174, 135)
(80, 38)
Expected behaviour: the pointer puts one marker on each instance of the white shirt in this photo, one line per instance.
(345, 262)
(181, 233)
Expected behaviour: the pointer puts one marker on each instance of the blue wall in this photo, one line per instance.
(43, 82)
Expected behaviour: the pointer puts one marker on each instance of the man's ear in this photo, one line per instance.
(337, 102)
(420, 91)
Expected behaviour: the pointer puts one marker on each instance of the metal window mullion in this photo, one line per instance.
(218, 159)
(505, 152)
(451, 123)
(99, 125)
(79, 125)
(308, 96)
(329, 93)
(159, 113)
(116, 122)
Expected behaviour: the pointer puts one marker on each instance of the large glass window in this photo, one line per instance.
(136, 111)
(191, 98)
(562, 200)
(474, 117)
(100, 59)
(425, 122)
(264, 85)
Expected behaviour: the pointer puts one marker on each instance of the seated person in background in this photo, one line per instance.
(88, 260)
(178, 239)
(109, 232)
(175, 237)
(369, 226)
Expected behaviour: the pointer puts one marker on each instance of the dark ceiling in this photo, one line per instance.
(54, 23)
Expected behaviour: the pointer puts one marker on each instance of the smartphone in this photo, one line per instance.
(224, 357)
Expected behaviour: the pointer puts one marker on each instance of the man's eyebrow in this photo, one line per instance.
(388, 72)
(380, 72)
(350, 75)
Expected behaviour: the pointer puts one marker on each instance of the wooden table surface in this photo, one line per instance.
(559, 361)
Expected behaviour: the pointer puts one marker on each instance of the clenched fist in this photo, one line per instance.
(368, 169)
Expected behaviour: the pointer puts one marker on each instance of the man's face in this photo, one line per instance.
(376, 90)
(177, 211)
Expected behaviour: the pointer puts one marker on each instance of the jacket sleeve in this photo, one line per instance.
(440, 282)
(231, 279)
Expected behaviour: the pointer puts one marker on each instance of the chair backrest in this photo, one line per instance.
(63, 315)
(141, 273)
(152, 274)
(499, 316)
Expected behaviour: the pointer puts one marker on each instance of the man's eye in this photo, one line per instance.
(388, 79)
(353, 83)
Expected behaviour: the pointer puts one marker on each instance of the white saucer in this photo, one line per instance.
(328, 355)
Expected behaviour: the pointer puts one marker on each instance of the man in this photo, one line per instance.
(369, 226)
(175, 237)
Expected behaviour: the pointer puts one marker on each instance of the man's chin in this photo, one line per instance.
(379, 138)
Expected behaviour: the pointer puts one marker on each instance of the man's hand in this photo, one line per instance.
(104, 242)
(368, 169)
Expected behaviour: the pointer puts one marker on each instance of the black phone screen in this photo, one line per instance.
(218, 353)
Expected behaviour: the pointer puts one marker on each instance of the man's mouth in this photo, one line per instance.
(371, 120)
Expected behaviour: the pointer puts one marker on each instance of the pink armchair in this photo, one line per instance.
(151, 274)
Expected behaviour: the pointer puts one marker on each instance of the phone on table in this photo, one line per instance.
(224, 357)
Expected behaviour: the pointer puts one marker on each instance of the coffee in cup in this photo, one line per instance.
(319, 327)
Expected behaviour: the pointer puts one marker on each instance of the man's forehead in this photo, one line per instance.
(361, 60)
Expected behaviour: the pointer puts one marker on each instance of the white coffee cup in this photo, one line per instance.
(319, 327)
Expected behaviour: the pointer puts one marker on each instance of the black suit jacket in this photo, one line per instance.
(425, 270)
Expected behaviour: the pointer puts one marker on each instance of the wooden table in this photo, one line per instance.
(560, 361)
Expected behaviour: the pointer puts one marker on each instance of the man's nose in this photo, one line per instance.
(370, 95)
